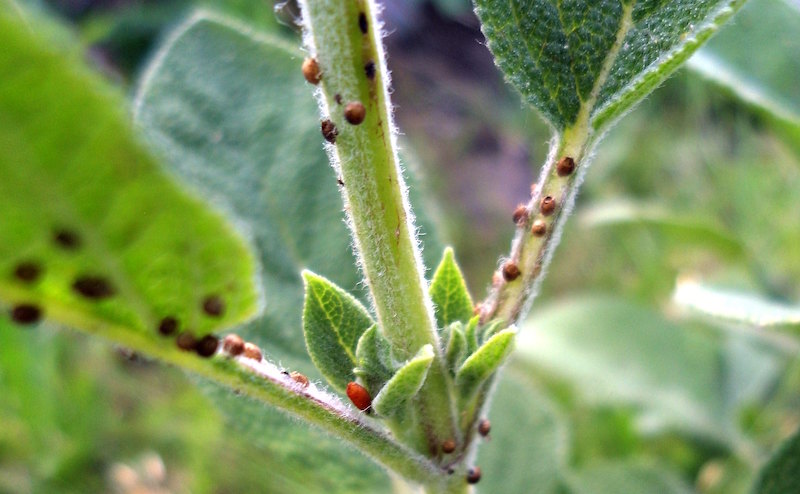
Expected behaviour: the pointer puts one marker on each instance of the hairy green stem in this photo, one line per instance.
(344, 39)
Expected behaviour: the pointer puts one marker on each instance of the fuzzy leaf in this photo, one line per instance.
(626, 478)
(91, 230)
(471, 334)
(456, 349)
(333, 322)
(491, 329)
(374, 357)
(486, 359)
(781, 474)
(595, 58)
(404, 385)
(451, 300)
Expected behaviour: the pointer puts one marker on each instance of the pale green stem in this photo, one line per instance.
(344, 38)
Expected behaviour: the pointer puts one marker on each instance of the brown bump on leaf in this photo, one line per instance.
(233, 345)
(337, 98)
(299, 378)
(484, 427)
(168, 326)
(355, 112)
(510, 271)
(186, 341)
(369, 70)
(26, 314)
(311, 71)
(66, 239)
(448, 446)
(565, 166)
(362, 22)
(539, 228)
(252, 352)
(329, 131)
(213, 306)
(547, 206)
(207, 346)
(27, 272)
(359, 395)
(93, 287)
(474, 475)
(520, 215)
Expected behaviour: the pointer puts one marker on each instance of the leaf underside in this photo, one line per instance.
(562, 56)
(108, 242)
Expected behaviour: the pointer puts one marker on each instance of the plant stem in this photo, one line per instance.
(344, 38)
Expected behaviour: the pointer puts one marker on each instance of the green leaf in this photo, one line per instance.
(451, 300)
(781, 474)
(374, 357)
(681, 230)
(333, 322)
(405, 383)
(456, 350)
(529, 441)
(481, 365)
(591, 61)
(109, 243)
(471, 334)
(626, 478)
(738, 307)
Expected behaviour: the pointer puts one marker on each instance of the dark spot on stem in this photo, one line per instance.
(565, 166)
(369, 70)
(186, 341)
(168, 326)
(484, 427)
(448, 446)
(213, 306)
(474, 475)
(299, 378)
(311, 71)
(547, 206)
(355, 112)
(510, 271)
(363, 25)
(66, 239)
(26, 314)
(93, 287)
(251, 351)
(27, 272)
(207, 346)
(520, 215)
(539, 228)
(337, 98)
(233, 345)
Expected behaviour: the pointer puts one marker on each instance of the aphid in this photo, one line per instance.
(186, 341)
(93, 287)
(207, 346)
(362, 22)
(355, 112)
(520, 215)
(337, 98)
(539, 228)
(359, 395)
(329, 131)
(213, 306)
(66, 239)
(340, 181)
(369, 70)
(26, 314)
(251, 351)
(299, 378)
(474, 475)
(311, 71)
(233, 345)
(547, 206)
(484, 427)
(27, 272)
(510, 271)
(168, 326)
(565, 166)
(448, 446)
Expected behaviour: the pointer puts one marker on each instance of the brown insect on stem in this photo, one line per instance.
(539, 228)
(547, 206)
(311, 71)
(369, 70)
(565, 166)
(474, 475)
(510, 271)
(233, 345)
(251, 351)
(186, 341)
(363, 25)
(93, 287)
(448, 446)
(329, 131)
(355, 112)
(299, 378)
(484, 427)
(359, 395)
(520, 215)
(168, 326)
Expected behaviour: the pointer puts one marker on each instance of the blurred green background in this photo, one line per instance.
(623, 387)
